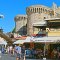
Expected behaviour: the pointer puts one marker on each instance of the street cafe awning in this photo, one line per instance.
(2, 41)
(19, 42)
(38, 39)
(46, 39)
(41, 23)
(27, 40)
(52, 19)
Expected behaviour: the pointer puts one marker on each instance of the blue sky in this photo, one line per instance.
(11, 8)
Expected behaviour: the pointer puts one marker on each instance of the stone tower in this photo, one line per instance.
(20, 24)
(35, 14)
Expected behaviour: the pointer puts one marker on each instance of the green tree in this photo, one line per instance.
(13, 30)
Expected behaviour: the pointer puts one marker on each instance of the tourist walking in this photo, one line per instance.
(8, 49)
(23, 51)
(18, 52)
(59, 55)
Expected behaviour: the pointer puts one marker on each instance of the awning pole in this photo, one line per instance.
(44, 48)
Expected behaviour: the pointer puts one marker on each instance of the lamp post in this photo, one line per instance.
(1, 16)
(44, 58)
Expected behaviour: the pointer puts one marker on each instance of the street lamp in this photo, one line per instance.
(1, 16)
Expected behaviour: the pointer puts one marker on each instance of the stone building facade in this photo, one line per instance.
(37, 20)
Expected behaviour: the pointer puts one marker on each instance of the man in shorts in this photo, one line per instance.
(18, 52)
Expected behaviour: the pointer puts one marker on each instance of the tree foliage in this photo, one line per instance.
(13, 30)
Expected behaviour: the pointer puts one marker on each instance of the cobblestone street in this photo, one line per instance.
(9, 57)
